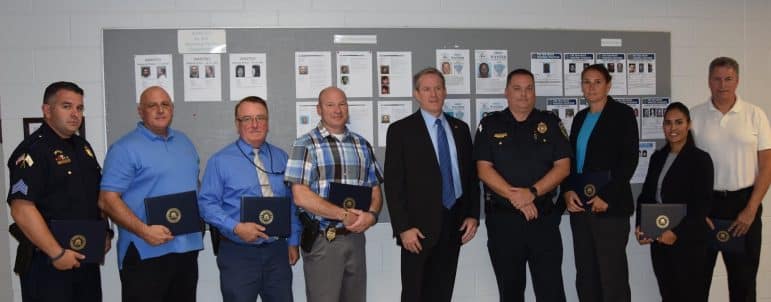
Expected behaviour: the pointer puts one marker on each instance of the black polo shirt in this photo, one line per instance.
(61, 176)
(521, 152)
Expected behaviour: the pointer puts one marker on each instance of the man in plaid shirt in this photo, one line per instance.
(335, 267)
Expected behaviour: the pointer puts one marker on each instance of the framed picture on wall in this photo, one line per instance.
(30, 124)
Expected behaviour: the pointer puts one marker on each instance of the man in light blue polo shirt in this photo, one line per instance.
(251, 263)
(152, 160)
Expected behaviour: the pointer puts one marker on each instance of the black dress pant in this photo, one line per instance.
(679, 270)
(43, 282)
(168, 278)
(430, 275)
(513, 243)
(599, 246)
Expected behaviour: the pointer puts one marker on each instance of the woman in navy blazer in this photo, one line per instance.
(605, 138)
(679, 173)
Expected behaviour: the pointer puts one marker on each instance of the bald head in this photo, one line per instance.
(156, 110)
(331, 92)
(333, 109)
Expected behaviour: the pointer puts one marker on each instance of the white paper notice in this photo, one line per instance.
(394, 73)
(491, 70)
(547, 69)
(153, 70)
(354, 73)
(635, 104)
(248, 75)
(387, 113)
(653, 117)
(454, 65)
(459, 109)
(487, 106)
(645, 153)
(201, 41)
(313, 72)
(306, 117)
(202, 77)
(615, 63)
(574, 64)
(642, 73)
(565, 108)
(360, 119)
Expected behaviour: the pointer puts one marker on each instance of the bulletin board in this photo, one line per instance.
(211, 126)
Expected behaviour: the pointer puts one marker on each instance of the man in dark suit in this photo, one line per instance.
(432, 191)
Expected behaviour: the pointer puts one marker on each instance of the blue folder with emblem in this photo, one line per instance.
(587, 184)
(86, 237)
(274, 213)
(723, 240)
(350, 196)
(178, 212)
(656, 218)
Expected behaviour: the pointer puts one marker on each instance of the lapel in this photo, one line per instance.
(423, 140)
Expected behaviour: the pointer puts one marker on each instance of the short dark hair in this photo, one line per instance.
(55, 87)
(598, 68)
(724, 62)
(426, 71)
(250, 99)
(519, 71)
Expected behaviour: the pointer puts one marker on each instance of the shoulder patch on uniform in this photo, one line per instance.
(563, 130)
(24, 161)
(19, 187)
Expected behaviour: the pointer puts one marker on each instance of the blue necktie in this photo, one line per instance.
(445, 166)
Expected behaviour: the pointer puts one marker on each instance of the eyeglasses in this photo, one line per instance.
(252, 118)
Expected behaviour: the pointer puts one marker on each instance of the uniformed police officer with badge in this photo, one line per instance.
(55, 176)
(522, 154)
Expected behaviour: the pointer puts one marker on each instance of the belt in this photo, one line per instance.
(330, 233)
(725, 194)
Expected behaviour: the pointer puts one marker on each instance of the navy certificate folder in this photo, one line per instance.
(587, 184)
(656, 218)
(723, 240)
(178, 212)
(274, 213)
(86, 237)
(350, 196)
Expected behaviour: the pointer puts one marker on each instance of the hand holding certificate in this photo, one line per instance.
(657, 218)
(178, 212)
(86, 237)
(273, 213)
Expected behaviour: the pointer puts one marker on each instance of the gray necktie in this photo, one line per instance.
(267, 191)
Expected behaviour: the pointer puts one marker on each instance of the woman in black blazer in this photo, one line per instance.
(679, 173)
(605, 139)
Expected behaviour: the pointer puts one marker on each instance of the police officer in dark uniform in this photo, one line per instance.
(55, 176)
(522, 154)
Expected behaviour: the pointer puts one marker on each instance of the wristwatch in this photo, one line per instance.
(534, 191)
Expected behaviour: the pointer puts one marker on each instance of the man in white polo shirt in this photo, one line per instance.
(737, 136)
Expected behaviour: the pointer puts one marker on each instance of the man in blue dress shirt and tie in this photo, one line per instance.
(251, 262)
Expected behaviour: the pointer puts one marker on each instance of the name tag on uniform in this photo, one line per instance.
(178, 212)
(86, 237)
(274, 213)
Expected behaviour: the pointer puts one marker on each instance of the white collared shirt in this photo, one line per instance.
(732, 140)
